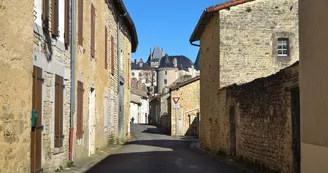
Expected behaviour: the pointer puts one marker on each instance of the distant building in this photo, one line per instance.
(171, 68)
(143, 76)
(155, 56)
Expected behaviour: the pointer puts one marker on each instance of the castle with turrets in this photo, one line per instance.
(161, 71)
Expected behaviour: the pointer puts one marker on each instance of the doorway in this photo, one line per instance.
(36, 129)
(232, 119)
(92, 124)
(295, 110)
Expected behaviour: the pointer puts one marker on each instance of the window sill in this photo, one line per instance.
(56, 151)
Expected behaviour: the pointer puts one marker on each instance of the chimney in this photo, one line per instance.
(135, 61)
(175, 62)
(140, 62)
(151, 57)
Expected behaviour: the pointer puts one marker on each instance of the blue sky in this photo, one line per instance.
(167, 24)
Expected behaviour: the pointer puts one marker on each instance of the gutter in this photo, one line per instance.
(72, 105)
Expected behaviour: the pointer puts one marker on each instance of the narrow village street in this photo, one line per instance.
(152, 151)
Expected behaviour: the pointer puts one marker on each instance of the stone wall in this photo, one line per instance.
(93, 74)
(51, 55)
(248, 37)
(16, 68)
(209, 76)
(189, 101)
(263, 120)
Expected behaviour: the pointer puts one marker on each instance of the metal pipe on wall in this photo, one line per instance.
(72, 105)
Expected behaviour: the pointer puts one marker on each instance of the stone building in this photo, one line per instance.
(144, 75)
(259, 121)
(16, 82)
(185, 116)
(52, 64)
(240, 41)
(155, 56)
(105, 38)
(313, 86)
(139, 106)
(171, 68)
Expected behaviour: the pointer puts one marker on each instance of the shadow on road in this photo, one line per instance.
(176, 157)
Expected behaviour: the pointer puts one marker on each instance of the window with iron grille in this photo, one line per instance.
(283, 47)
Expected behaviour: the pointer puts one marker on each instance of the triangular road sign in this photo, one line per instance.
(176, 100)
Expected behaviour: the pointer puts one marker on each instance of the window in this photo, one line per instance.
(112, 54)
(79, 123)
(106, 48)
(59, 92)
(93, 21)
(80, 22)
(165, 72)
(283, 47)
(54, 18)
(165, 81)
(132, 73)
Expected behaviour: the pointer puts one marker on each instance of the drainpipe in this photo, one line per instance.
(120, 132)
(72, 106)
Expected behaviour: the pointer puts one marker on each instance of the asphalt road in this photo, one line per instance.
(153, 152)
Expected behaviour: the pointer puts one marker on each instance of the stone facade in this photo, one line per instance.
(238, 45)
(313, 86)
(184, 120)
(16, 67)
(53, 57)
(261, 113)
(95, 75)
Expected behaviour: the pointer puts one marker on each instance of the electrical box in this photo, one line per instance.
(34, 118)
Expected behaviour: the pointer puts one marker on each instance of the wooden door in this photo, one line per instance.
(36, 131)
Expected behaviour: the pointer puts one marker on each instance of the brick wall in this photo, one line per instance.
(263, 120)
(16, 68)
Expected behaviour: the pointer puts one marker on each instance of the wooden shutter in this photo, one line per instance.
(67, 16)
(59, 92)
(45, 14)
(54, 18)
(80, 22)
(112, 54)
(79, 122)
(106, 48)
(92, 47)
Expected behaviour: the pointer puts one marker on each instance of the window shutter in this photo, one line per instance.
(54, 18)
(92, 47)
(106, 114)
(45, 14)
(59, 88)
(80, 22)
(106, 48)
(79, 123)
(112, 54)
(67, 16)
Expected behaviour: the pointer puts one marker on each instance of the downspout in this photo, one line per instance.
(118, 76)
(72, 106)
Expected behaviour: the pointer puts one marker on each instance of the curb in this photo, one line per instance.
(228, 161)
(89, 162)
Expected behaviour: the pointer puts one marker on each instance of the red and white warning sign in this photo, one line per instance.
(176, 100)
